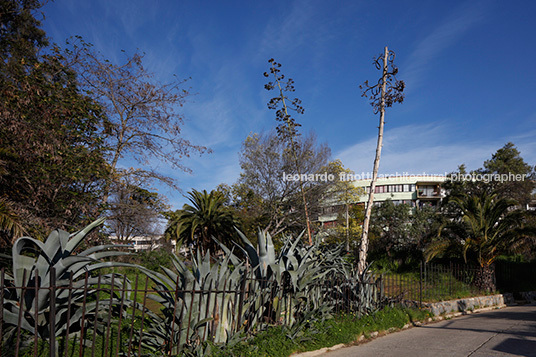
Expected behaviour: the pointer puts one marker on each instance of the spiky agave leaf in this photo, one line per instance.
(287, 287)
(55, 256)
(206, 312)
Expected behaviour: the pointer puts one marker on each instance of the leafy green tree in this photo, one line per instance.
(486, 228)
(52, 158)
(390, 229)
(425, 223)
(343, 191)
(21, 37)
(246, 207)
(456, 187)
(227, 192)
(400, 233)
(505, 174)
(205, 218)
(507, 162)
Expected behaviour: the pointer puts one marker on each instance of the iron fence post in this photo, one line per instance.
(52, 312)
(2, 278)
(420, 284)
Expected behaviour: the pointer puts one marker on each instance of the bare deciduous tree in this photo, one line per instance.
(143, 118)
(267, 186)
(134, 211)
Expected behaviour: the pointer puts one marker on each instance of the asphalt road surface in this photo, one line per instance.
(507, 332)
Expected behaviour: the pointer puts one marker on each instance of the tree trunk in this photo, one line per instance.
(363, 248)
(485, 279)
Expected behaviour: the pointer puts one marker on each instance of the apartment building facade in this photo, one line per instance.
(417, 191)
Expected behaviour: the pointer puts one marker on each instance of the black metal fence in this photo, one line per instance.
(432, 283)
(109, 315)
(120, 317)
(515, 277)
(440, 282)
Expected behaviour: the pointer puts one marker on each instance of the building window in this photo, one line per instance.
(427, 190)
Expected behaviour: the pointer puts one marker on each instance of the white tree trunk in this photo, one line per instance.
(363, 248)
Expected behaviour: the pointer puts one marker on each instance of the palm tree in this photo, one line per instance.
(486, 227)
(204, 219)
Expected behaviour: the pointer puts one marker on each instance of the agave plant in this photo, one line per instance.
(28, 294)
(197, 305)
(305, 269)
(289, 284)
(361, 292)
(216, 301)
(300, 271)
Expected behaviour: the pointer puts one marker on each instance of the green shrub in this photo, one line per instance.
(154, 259)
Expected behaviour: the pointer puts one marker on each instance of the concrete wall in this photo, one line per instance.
(469, 304)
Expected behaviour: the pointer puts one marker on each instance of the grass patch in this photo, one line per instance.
(278, 341)
(138, 281)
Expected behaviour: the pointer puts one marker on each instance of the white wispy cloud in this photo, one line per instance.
(208, 172)
(443, 36)
(428, 148)
(288, 31)
(210, 122)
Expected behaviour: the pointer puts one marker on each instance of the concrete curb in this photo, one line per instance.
(320, 351)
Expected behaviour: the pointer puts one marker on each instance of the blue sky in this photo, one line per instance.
(468, 66)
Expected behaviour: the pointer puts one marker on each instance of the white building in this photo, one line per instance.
(416, 191)
(141, 243)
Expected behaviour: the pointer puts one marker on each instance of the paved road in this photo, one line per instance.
(507, 332)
